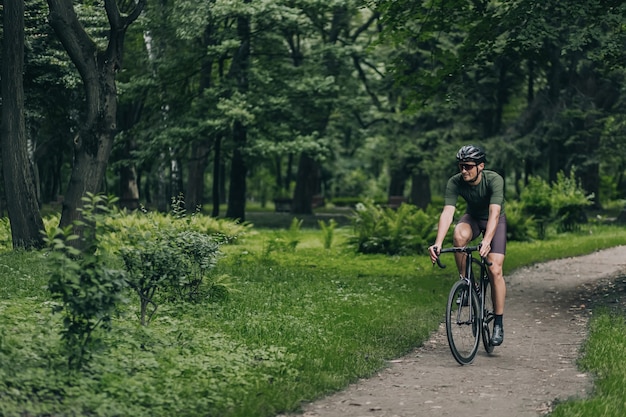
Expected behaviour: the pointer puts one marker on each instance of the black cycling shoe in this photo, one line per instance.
(498, 335)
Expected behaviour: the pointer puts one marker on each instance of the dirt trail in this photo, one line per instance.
(548, 306)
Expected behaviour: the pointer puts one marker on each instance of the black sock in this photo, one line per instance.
(498, 321)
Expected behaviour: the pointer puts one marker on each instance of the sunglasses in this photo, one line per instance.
(466, 167)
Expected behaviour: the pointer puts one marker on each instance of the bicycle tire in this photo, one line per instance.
(462, 323)
(488, 315)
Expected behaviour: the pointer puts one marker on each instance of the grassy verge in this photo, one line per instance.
(604, 355)
(301, 323)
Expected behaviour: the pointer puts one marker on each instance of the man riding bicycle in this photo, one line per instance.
(483, 190)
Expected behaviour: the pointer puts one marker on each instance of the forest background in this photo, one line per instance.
(241, 102)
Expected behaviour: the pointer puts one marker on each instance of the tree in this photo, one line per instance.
(565, 52)
(23, 206)
(97, 68)
(239, 71)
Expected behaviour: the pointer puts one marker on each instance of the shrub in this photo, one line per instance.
(284, 240)
(377, 229)
(142, 222)
(561, 203)
(328, 232)
(87, 289)
(520, 226)
(569, 201)
(174, 265)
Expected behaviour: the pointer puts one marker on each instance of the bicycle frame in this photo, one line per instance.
(469, 276)
(470, 314)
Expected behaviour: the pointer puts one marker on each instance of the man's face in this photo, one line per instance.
(470, 170)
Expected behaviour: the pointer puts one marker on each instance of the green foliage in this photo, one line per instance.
(140, 222)
(536, 198)
(88, 291)
(6, 242)
(562, 202)
(407, 230)
(309, 323)
(149, 264)
(198, 255)
(328, 232)
(174, 265)
(603, 355)
(520, 226)
(569, 201)
(284, 240)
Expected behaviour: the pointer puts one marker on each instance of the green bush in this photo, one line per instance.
(561, 203)
(536, 198)
(87, 291)
(377, 229)
(140, 222)
(170, 264)
(328, 232)
(284, 240)
(569, 201)
(520, 226)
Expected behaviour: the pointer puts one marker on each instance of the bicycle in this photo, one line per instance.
(469, 312)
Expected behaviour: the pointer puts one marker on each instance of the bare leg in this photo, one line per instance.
(461, 238)
(498, 286)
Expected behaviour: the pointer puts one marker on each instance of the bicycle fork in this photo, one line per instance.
(466, 295)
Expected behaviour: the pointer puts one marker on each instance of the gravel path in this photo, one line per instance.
(545, 322)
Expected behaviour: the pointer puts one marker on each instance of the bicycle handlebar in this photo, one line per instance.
(466, 249)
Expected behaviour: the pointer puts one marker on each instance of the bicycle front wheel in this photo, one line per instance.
(462, 322)
(488, 315)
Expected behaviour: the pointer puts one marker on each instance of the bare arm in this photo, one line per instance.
(445, 220)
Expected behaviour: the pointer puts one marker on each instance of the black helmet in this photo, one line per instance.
(471, 153)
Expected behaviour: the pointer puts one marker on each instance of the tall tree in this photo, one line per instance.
(26, 222)
(97, 68)
(240, 68)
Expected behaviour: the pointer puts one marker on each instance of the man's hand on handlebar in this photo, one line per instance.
(484, 249)
(434, 253)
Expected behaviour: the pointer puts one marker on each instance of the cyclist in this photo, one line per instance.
(484, 192)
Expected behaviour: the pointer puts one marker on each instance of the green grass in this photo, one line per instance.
(302, 323)
(604, 356)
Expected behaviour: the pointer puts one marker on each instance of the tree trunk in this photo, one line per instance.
(97, 68)
(217, 177)
(306, 185)
(397, 182)
(238, 171)
(161, 189)
(194, 198)
(23, 207)
(420, 190)
(128, 116)
(129, 189)
(201, 149)
(239, 71)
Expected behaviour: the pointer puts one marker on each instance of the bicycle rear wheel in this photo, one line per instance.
(462, 322)
(488, 315)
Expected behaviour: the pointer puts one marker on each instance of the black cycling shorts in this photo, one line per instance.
(498, 243)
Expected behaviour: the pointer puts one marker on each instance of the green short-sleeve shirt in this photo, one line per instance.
(490, 190)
